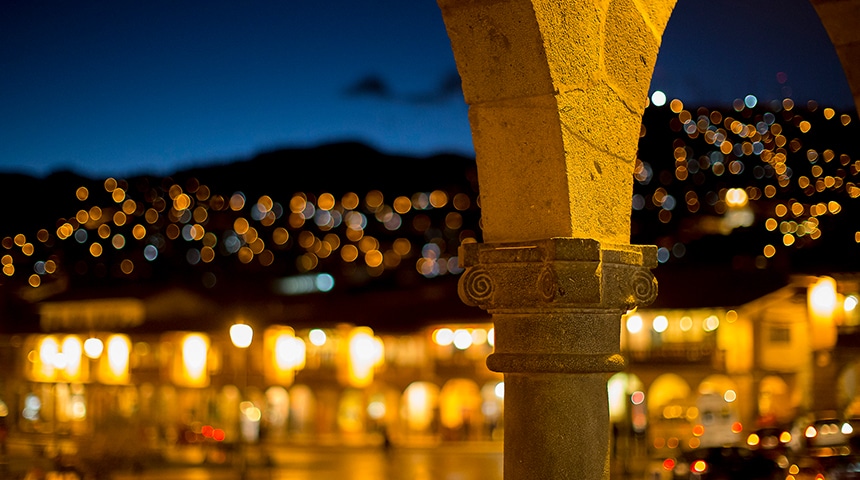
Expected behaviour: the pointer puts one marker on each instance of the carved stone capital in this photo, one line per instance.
(556, 274)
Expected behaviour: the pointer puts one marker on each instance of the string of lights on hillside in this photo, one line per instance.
(120, 231)
(774, 167)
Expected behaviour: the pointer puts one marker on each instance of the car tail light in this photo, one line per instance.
(669, 464)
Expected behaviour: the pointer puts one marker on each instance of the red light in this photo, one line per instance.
(698, 430)
(737, 427)
(669, 464)
(699, 466)
(207, 431)
(218, 435)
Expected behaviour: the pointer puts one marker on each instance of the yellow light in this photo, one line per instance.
(365, 352)
(113, 367)
(736, 197)
(72, 353)
(822, 296)
(752, 440)
(49, 349)
(458, 397)
(822, 300)
(686, 324)
(479, 336)
(289, 352)
(195, 349)
(420, 402)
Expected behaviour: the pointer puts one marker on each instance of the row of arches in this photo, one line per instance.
(165, 415)
(664, 412)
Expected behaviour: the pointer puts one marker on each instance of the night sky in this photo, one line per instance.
(119, 88)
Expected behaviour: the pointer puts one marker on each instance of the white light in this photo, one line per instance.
(462, 339)
(443, 337)
(634, 324)
(711, 323)
(822, 296)
(93, 347)
(241, 335)
(850, 303)
(118, 350)
(376, 410)
(500, 390)
(658, 98)
(660, 323)
(730, 396)
(289, 352)
(317, 337)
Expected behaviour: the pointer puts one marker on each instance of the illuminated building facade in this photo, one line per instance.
(770, 359)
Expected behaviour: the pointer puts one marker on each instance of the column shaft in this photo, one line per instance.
(556, 426)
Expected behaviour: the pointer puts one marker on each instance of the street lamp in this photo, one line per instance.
(241, 334)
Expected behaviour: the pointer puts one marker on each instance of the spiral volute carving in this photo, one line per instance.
(477, 286)
(644, 287)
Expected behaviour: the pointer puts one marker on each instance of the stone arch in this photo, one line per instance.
(556, 92)
(666, 389)
(840, 19)
(774, 401)
(459, 407)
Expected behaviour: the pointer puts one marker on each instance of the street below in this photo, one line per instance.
(446, 462)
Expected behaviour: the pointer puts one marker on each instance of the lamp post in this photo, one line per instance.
(241, 334)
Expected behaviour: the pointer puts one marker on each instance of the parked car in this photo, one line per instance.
(726, 463)
(773, 443)
(828, 437)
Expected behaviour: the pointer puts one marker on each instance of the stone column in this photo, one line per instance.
(557, 306)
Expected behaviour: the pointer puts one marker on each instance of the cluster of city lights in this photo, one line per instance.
(122, 230)
(635, 324)
(775, 167)
(463, 338)
(778, 167)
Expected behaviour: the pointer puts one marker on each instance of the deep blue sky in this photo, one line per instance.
(108, 87)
